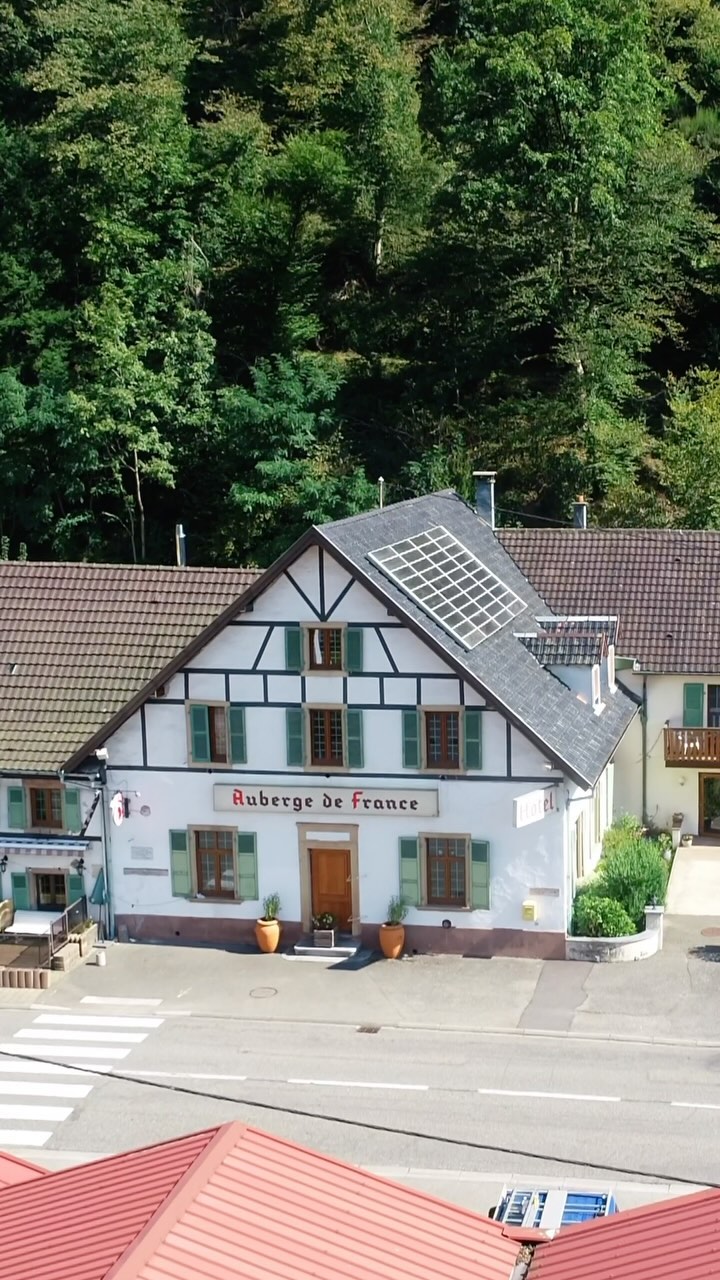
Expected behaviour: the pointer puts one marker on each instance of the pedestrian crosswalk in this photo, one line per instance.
(47, 1068)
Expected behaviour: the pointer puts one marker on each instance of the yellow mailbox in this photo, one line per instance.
(529, 910)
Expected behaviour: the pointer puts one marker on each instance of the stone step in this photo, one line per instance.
(344, 949)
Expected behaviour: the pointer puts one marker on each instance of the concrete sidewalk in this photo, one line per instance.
(694, 887)
(674, 996)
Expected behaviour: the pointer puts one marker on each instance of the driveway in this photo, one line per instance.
(694, 888)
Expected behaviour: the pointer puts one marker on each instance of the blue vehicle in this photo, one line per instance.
(550, 1210)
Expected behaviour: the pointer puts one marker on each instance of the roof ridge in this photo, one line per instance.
(185, 1191)
(107, 564)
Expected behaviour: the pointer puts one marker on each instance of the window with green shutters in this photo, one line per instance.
(217, 733)
(433, 734)
(693, 705)
(72, 810)
(419, 871)
(51, 808)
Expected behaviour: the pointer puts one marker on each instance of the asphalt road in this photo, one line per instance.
(457, 1112)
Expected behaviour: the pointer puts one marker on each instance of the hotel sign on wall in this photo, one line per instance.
(367, 801)
(535, 806)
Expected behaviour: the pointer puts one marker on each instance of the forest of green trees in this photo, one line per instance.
(256, 253)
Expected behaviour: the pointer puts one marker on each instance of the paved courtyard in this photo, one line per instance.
(673, 996)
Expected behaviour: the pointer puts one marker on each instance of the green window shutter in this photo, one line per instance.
(16, 808)
(180, 877)
(409, 870)
(199, 734)
(354, 725)
(353, 649)
(238, 749)
(247, 869)
(76, 888)
(411, 739)
(20, 891)
(293, 649)
(480, 878)
(693, 705)
(71, 810)
(473, 740)
(295, 730)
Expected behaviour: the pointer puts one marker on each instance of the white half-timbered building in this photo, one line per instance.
(389, 709)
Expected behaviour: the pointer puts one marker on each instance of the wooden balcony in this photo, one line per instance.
(688, 747)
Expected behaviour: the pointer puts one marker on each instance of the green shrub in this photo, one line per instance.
(634, 873)
(626, 827)
(596, 917)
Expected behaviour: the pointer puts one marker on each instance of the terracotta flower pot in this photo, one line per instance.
(392, 940)
(267, 934)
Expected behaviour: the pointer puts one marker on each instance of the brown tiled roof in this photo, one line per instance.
(664, 585)
(78, 641)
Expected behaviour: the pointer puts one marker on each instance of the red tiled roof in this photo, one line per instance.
(234, 1203)
(664, 585)
(13, 1170)
(676, 1240)
(78, 641)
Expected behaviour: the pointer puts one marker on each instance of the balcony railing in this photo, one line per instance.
(692, 747)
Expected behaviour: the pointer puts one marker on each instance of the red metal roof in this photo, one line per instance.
(75, 1224)
(676, 1240)
(235, 1202)
(14, 1170)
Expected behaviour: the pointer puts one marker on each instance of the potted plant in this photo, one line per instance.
(267, 928)
(392, 932)
(324, 929)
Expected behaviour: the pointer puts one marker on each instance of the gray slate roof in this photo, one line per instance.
(501, 666)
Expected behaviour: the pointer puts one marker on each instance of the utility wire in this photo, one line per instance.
(509, 511)
(373, 1127)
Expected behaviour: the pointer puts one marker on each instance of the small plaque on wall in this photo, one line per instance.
(141, 853)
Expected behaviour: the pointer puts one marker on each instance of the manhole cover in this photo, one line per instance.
(263, 993)
(368, 1031)
(712, 932)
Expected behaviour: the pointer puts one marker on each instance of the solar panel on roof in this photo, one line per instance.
(450, 584)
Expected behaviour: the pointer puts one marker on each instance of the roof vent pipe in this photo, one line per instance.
(580, 513)
(485, 496)
(180, 547)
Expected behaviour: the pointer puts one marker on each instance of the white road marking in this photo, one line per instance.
(541, 1093)
(41, 1089)
(96, 1037)
(24, 1137)
(71, 1051)
(178, 1075)
(129, 1000)
(91, 1020)
(20, 1111)
(42, 1068)
(358, 1084)
(700, 1106)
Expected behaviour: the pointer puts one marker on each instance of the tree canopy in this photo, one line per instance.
(255, 255)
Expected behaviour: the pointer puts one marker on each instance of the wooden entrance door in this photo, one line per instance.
(710, 804)
(50, 892)
(331, 885)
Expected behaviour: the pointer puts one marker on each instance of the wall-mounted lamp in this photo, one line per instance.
(79, 865)
(3, 862)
